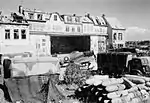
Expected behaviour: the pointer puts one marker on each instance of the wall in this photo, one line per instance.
(56, 26)
(13, 41)
(41, 44)
(14, 45)
(88, 28)
(94, 44)
(118, 40)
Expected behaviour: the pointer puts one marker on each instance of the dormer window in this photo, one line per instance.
(77, 20)
(31, 16)
(69, 19)
(39, 16)
(55, 17)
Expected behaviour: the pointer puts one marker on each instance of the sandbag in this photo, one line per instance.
(117, 94)
(112, 81)
(115, 87)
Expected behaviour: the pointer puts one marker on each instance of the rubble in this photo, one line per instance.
(103, 89)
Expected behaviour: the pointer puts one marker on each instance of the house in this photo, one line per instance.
(98, 39)
(73, 38)
(14, 36)
(116, 32)
(39, 38)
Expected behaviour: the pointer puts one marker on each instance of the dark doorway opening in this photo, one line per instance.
(67, 44)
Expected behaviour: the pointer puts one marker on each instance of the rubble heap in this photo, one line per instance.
(103, 89)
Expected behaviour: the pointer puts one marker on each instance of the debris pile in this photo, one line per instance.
(103, 89)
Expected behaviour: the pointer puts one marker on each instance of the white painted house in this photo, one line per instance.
(37, 30)
(98, 39)
(116, 32)
(14, 35)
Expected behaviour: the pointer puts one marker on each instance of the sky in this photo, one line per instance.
(134, 15)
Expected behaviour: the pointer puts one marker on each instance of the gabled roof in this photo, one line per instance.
(101, 21)
(57, 14)
(114, 23)
(85, 19)
(93, 18)
(98, 21)
(64, 17)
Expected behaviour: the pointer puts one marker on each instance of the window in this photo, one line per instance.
(16, 34)
(43, 42)
(39, 16)
(73, 29)
(77, 20)
(119, 36)
(115, 36)
(23, 34)
(55, 17)
(31, 15)
(69, 19)
(78, 29)
(7, 34)
(67, 28)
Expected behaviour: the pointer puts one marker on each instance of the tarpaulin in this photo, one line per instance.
(34, 66)
(34, 89)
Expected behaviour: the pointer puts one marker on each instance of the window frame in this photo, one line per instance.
(69, 18)
(17, 34)
(31, 16)
(39, 17)
(78, 29)
(120, 36)
(55, 18)
(23, 34)
(73, 29)
(115, 36)
(7, 34)
(67, 28)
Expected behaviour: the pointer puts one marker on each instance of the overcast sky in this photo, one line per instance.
(133, 14)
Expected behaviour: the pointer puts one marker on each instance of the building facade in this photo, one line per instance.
(98, 39)
(37, 29)
(54, 33)
(14, 36)
(116, 33)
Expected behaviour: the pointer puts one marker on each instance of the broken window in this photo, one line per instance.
(23, 34)
(7, 34)
(16, 34)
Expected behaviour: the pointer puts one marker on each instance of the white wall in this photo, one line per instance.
(117, 41)
(41, 47)
(55, 26)
(13, 41)
(14, 45)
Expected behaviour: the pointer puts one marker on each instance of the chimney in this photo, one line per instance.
(103, 15)
(20, 9)
(87, 14)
